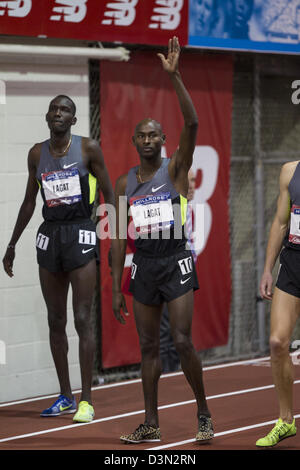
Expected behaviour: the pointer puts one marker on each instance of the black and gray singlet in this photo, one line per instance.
(158, 212)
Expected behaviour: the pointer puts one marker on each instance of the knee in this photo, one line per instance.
(82, 322)
(57, 321)
(278, 346)
(183, 343)
(149, 347)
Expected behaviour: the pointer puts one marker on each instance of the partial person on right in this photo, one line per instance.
(284, 241)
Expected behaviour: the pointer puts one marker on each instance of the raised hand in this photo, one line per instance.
(170, 63)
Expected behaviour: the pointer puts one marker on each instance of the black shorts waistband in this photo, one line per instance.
(67, 222)
(159, 255)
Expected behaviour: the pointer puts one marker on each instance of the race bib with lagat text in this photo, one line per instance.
(61, 187)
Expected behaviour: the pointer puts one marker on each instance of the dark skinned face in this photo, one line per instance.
(148, 139)
(60, 116)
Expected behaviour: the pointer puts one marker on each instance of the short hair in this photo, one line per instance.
(73, 105)
(146, 121)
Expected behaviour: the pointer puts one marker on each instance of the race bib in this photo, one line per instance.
(42, 241)
(87, 237)
(61, 187)
(152, 213)
(186, 265)
(294, 236)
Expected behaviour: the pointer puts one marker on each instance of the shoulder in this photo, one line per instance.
(290, 166)
(90, 145)
(34, 154)
(121, 184)
(36, 149)
(92, 153)
(287, 172)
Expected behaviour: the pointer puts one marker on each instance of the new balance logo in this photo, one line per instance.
(73, 11)
(120, 13)
(16, 8)
(166, 14)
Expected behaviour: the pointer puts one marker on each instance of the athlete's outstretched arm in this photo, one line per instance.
(118, 255)
(25, 212)
(183, 157)
(278, 230)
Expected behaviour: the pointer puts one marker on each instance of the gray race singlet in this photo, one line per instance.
(292, 238)
(158, 212)
(67, 187)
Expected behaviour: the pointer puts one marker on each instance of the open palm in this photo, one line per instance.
(170, 63)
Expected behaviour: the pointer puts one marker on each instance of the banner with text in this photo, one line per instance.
(253, 25)
(128, 21)
(139, 89)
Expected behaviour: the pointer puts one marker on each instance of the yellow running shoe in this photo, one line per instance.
(85, 413)
(280, 431)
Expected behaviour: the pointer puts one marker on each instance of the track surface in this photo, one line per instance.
(241, 399)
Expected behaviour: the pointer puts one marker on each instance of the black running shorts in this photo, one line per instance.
(288, 279)
(64, 246)
(158, 280)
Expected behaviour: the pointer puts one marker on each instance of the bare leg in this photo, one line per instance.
(147, 320)
(83, 281)
(284, 314)
(55, 291)
(181, 313)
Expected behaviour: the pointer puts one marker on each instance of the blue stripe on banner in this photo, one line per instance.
(243, 45)
(245, 25)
